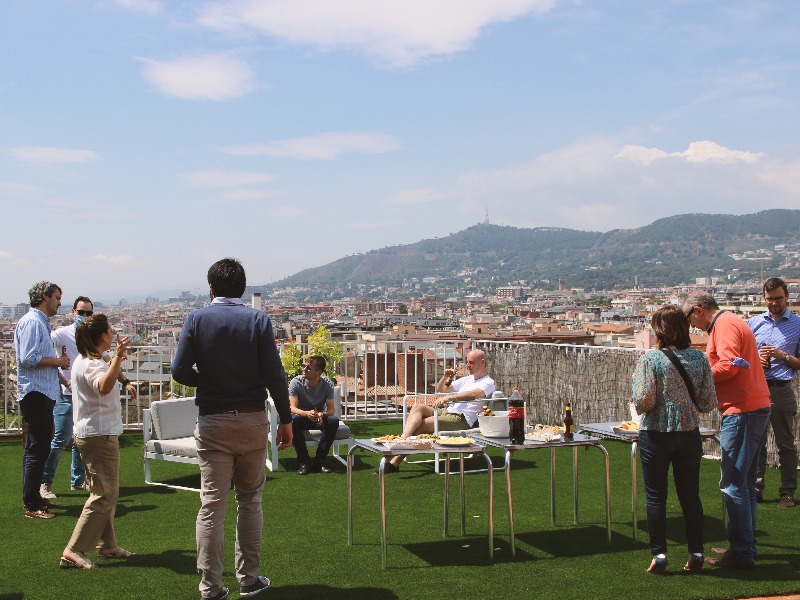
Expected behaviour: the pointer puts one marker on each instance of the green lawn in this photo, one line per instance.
(306, 555)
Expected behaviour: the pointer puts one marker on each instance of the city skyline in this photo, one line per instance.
(290, 134)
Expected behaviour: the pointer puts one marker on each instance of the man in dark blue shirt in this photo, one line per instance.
(227, 351)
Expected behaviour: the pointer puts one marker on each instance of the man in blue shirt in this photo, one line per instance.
(227, 351)
(311, 398)
(777, 332)
(38, 389)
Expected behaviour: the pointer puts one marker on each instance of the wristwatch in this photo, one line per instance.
(786, 358)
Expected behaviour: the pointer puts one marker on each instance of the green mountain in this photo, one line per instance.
(669, 251)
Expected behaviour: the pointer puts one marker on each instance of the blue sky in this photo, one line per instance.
(140, 140)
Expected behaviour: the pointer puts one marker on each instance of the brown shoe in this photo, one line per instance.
(39, 514)
(786, 501)
(729, 560)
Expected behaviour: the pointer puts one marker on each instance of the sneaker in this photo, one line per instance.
(46, 491)
(786, 501)
(259, 586)
(388, 468)
(694, 564)
(42, 513)
(658, 566)
(81, 486)
(304, 469)
(223, 593)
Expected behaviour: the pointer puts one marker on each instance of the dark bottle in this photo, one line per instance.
(516, 418)
(569, 424)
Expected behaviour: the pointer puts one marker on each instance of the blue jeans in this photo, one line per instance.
(683, 449)
(329, 427)
(37, 413)
(62, 417)
(740, 439)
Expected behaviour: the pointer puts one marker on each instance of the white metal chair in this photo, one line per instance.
(498, 401)
(344, 437)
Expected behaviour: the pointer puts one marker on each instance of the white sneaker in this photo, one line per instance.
(46, 491)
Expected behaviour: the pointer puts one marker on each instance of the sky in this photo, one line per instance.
(141, 140)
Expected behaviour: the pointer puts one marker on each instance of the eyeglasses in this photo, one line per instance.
(690, 313)
(85, 313)
(308, 368)
(775, 299)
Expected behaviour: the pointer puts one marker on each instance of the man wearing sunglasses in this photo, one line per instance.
(64, 337)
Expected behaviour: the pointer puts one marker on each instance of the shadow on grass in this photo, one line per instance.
(314, 592)
(182, 562)
(470, 551)
(576, 541)
(13, 596)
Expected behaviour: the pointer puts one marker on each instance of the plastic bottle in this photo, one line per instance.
(516, 418)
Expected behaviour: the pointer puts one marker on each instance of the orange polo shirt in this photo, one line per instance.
(738, 389)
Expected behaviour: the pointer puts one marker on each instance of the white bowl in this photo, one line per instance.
(496, 426)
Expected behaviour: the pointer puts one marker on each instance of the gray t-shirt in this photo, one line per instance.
(309, 398)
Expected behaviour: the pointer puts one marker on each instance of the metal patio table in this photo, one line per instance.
(576, 443)
(378, 448)
(606, 431)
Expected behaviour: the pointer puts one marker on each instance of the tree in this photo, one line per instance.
(319, 344)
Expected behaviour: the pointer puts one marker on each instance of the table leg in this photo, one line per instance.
(490, 475)
(381, 476)
(446, 492)
(553, 486)
(510, 504)
(350, 495)
(608, 492)
(634, 492)
(575, 484)
(463, 502)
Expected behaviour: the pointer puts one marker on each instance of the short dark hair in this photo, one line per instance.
(44, 288)
(88, 333)
(226, 277)
(81, 299)
(319, 362)
(773, 283)
(671, 326)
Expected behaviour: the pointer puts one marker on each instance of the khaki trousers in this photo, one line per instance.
(95, 527)
(232, 447)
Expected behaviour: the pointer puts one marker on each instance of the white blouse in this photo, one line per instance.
(92, 412)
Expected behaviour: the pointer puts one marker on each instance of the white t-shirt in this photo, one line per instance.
(92, 412)
(65, 336)
(471, 409)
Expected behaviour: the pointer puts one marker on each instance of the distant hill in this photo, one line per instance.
(669, 251)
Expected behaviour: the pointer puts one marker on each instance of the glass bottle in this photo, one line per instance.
(516, 418)
(569, 424)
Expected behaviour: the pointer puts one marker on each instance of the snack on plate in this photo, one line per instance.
(456, 440)
(427, 436)
(387, 438)
(629, 426)
(487, 411)
(544, 433)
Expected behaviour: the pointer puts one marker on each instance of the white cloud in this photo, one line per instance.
(11, 187)
(12, 259)
(219, 178)
(697, 152)
(325, 146)
(417, 196)
(206, 77)
(150, 7)
(396, 32)
(50, 155)
(373, 224)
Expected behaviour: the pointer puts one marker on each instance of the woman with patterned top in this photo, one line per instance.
(670, 431)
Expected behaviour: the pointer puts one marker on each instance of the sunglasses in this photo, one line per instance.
(85, 313)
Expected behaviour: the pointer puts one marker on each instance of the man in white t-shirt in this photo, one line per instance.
(458, 415)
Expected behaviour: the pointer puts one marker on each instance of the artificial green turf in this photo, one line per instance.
(306, 555)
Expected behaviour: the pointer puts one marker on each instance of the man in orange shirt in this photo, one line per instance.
(743, 399)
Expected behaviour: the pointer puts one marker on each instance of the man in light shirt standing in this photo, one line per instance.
(38, 389)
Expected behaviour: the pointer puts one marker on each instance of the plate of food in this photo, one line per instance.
(455, 441)
(627, 427)
(544, 433)
(387, 438)
(408, 444)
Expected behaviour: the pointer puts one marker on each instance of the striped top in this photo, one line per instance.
(784, 334)
(660, 395)
(32, 343)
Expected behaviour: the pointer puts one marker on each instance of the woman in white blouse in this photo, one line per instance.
(98, 424)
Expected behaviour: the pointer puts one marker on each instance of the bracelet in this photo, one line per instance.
(126, 381)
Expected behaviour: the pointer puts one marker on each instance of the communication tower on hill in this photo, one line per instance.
(486, 218)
